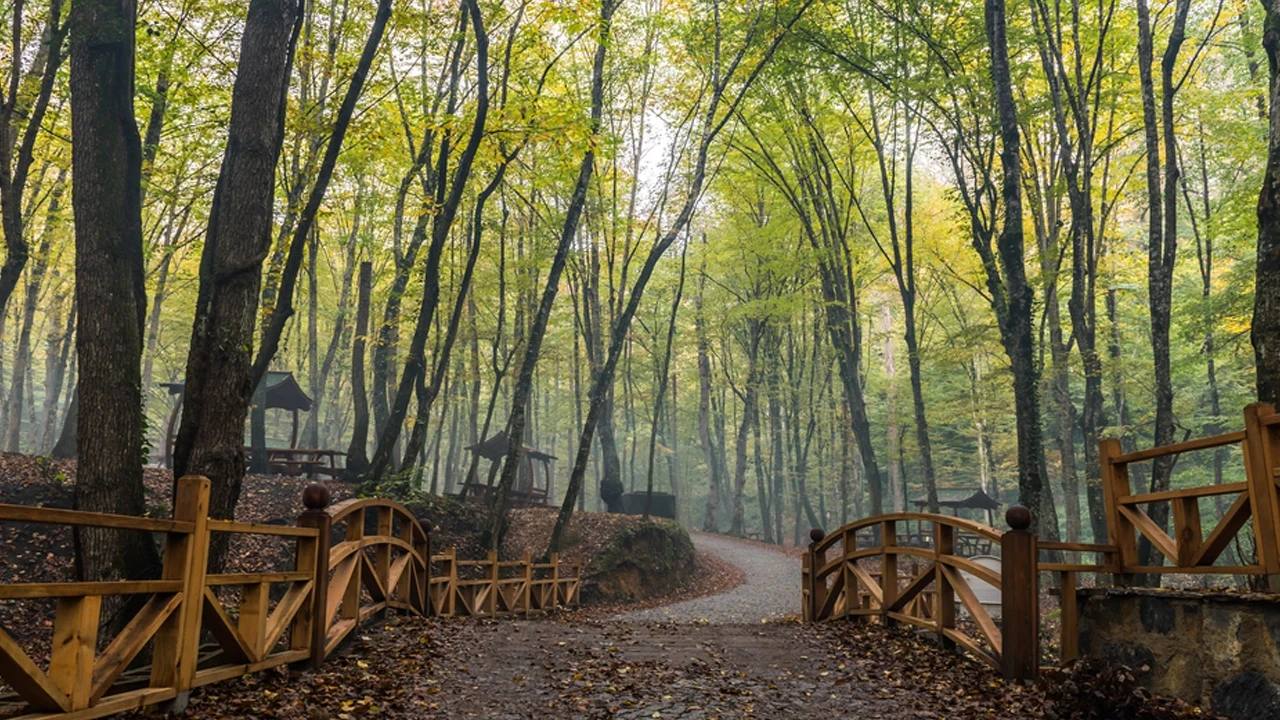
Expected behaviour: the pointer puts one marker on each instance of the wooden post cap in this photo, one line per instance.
(1018, 517)
(316, 496)
(816, 534)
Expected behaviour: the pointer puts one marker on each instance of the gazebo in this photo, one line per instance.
(526, 491)
(956, 499)
(283, 393)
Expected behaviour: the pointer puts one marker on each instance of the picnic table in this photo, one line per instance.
(310, 462)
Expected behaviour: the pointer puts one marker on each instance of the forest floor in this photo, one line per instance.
(737, 653)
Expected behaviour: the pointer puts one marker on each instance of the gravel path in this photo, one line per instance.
(771, 590)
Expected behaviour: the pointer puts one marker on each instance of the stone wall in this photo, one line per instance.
(1217, 650)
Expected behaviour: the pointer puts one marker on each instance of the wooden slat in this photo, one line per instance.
(1152, 531)
(1182, 493)
(131, 700)
(284, 613)
(229, 672)
(979, 613)
(253, 578)
(1203, 443)
(873, 587)
(28, 680)
(1077, 547)
(229, 526)
(1224, 532)
(1187, 532)
(135, 636)
(252, 623)
(915, 587)
(1201, 570)
(224, 630)
(76, 518)
(974, 648)
(18, 591)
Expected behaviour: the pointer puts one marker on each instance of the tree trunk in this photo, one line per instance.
(219, 382)
(1266, 298)
(357, 461)
(35, 282)
(110, 290)
(533, 345)
(1010, 291)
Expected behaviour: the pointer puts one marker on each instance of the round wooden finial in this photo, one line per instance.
(816, 534)
(316, 496)
(1018, 517)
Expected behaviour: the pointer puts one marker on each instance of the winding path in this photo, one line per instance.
(771, 590)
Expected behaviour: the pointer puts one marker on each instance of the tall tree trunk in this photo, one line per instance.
(1010, 292)
(1265, 333)
(17, 155)
(357, 460)
(35, 282)
(1162, 248)
(533, 345)
(219, 380)
(110, 290)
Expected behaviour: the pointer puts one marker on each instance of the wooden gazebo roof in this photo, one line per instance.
(496, 448)
(958, 498)
(283, 391)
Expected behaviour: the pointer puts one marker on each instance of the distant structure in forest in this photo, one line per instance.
(957, 499)
(526, 492)
(283, 393)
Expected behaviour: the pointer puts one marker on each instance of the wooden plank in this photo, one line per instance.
(252, 623)
(1259, 464)
(1202, 570)
(77, 518)
(1203, 443)
(20, 591)
(1152, 531)
(979, 613)
(28, 680)
(1077, 547)
(342, 576)
(253, 578)
(229, 526)
(230, 672)
(972, 647)
(1224, 532)
(186, 557)
(1184, 493)
(126, 646)
(294, 599)
(914, 588)
(944, 600)
(1115, 487)
(1070, 640)
(873, 587)
(224, 630)
(1186, 527)
(131, 700)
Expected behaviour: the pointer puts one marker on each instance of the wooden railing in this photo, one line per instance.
(255, 620)
(847, 587)
(489, 588)
(864, 579)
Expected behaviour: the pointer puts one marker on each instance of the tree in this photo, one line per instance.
(106, 186)
(219, 382)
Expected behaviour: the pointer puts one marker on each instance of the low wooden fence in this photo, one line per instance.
(489, 588)
(840, 577)
(381, 561)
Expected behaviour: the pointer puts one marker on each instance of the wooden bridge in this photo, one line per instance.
(380, 561)
(844, 573)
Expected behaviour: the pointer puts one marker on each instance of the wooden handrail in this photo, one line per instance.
(1195, 492)
(77, 518)
(1204, 443)
(976, 528)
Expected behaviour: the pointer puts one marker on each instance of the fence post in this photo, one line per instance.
(491, 600)
(1260, 465)
(311, 629)
(817, 585)
(1116, 487)
(1020, 597)
(888, 569)
(555, 579)
(527, 589)
(424, 590)
(186, 557)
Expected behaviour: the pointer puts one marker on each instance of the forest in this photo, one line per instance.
(792, 261)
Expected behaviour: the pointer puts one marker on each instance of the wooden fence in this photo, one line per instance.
(851, 586)
(381, 561)
(489, 588)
